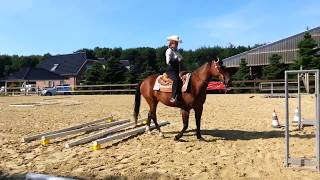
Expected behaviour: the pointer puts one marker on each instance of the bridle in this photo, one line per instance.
(217, 66)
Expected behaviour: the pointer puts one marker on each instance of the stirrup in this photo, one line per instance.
(173, 100)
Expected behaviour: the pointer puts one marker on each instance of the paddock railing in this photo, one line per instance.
(19, 91)
(277, 86)
(254, 86)
(106, 88)
(76, 90)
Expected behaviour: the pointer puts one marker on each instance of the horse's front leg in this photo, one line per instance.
(198, 114)
(185, 119)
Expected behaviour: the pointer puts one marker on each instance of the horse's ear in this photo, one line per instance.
(217, 60)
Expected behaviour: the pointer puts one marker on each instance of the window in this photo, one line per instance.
(51, 83)
(54, 67)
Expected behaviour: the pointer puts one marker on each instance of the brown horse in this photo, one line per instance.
(194, 98)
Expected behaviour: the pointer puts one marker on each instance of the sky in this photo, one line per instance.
(64, 26)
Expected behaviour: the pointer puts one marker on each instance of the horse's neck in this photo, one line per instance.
(201, 76)
(203, 72)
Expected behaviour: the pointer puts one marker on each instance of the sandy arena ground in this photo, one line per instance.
(240, 142)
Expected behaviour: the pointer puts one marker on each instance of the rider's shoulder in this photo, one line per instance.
(169, 51)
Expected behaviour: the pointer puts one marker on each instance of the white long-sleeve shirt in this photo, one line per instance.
(172, 55)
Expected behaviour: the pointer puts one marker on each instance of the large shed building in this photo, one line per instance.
(258, 57)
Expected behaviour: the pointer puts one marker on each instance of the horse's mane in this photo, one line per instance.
(204, 65)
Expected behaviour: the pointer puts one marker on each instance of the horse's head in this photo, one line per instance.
(218, 71)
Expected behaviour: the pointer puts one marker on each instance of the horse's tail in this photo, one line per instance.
(137, 102)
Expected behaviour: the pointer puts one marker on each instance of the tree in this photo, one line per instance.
(161, 59)
(95, 75)
(307, 54)
(114, 71)
(105, 53)
(143, 60)
(46, 55)
(205, 54)
(131, 75)
(5, 62)
(89, 52)
(315, 63)
(116, 52)
(149, 71)
(275, 69)
(243, 72)
(189, 61)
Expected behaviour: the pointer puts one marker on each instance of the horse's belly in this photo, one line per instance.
(164, 98)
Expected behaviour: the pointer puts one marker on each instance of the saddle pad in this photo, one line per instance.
(168, 87)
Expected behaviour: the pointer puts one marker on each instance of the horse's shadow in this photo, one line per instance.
(234, 135)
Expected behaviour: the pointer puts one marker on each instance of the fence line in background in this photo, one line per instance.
(254, 85)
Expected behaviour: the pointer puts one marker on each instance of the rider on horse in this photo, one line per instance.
(173, 59)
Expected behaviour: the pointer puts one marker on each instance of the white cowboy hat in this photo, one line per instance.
(174, 38)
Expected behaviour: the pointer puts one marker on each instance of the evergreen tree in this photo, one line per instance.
(188, 63)
(95, 75)
(307, 54)
(89, 52)
(105, 53)
(275, 69)
(315, 63)
(243, 72)
(161, 59)
(131, 75)
(5, 63)
(114, 72)
(145, 61)
(149, 71)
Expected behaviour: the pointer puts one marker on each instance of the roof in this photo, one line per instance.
(287, 48)
(33, 74)
(101, 60)
(125, 62)
(67, 64)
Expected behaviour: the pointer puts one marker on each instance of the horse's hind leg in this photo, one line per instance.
(148, 124)
(154, 118)
(185, 119)
(152, 115)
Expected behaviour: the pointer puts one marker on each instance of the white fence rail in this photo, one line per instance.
(277, 86)
(106, 88)
(80, 89)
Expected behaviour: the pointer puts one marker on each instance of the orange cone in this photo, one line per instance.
(275, 121)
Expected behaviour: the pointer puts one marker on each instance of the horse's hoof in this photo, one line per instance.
(200, 138)
(176, 138)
